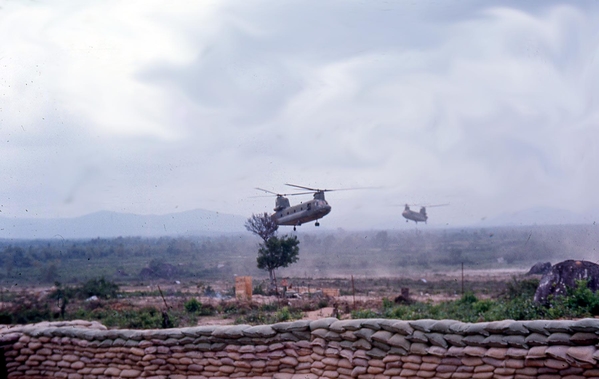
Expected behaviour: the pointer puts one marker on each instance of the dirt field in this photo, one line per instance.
(361, 293)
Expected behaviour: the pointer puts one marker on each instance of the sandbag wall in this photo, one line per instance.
(328, 348)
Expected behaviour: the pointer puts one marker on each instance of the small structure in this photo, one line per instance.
(243, 287)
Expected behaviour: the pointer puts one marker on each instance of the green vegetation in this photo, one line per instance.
(265, 315)
(194, 307)
(277, 252)
(367, 254)
(143, 318)
(377, 260)
(77, 302)
(515, 304)
(274, 252)
(67, 303)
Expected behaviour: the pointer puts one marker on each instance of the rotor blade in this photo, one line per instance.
(299, 193)
(329, 190)
(302, 187)
(281, 194)
(437, 205)
(350, 189)
(262, 189)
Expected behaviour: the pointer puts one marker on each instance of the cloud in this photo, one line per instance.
(110, 105)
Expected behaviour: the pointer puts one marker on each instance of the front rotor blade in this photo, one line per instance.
(262, 189)
(302, 187)
(330, 190)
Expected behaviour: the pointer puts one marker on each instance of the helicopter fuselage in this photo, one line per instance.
(417, 217)
(302, 213)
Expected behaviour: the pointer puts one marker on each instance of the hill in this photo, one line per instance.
(113, 224)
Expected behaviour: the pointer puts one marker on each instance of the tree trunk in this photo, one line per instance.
(273, 282)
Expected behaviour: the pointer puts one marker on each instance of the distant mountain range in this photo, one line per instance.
(201, 222)
(112, 224)
(541, 216)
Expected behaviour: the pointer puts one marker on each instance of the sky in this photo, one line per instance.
(154, 107)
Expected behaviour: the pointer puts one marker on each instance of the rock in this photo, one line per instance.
(540, 268)
(563, 276)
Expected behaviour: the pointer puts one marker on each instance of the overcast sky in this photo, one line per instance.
(154, 107)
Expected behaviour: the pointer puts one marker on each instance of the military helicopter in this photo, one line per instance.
(299, 214)
(421, 216)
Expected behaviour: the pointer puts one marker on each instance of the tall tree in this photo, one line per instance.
(277, 252)
(262, 225)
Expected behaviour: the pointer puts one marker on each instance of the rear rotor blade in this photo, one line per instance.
(437, 205)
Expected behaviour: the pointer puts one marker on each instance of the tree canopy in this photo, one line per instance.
(262, 225)
(278, 252)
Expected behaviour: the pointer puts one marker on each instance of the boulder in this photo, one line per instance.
(564, 275)
(540, 268)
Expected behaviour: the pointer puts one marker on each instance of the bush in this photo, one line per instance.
(579, 302)
(521, 288)
(101, 288)
(323, 303)
(193, 306)
(209, 292)
(516, 304)
(283, 315)
(258, 316)
(259, 290)
(366, 313)
(145, 318)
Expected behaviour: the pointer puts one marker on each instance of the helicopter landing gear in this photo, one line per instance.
(317, 223)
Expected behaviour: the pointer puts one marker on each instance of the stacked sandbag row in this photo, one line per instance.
(207, 351)
(327, 348)
(450, 349)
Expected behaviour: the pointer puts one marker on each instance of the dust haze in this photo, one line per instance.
(417, 254)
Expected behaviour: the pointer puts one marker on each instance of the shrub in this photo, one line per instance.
(193, 306)
(259, 289)
(283, 315)
(578, 302)
(145, 318)
(209, 292)
(365, 313)
(101, 288)
(323, 303)
(521, 288)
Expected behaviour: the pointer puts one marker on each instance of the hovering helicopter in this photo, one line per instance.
(421, 216)
(299, 214)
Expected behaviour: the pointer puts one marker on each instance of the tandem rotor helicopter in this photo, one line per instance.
(421, 216)
(299, 214)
